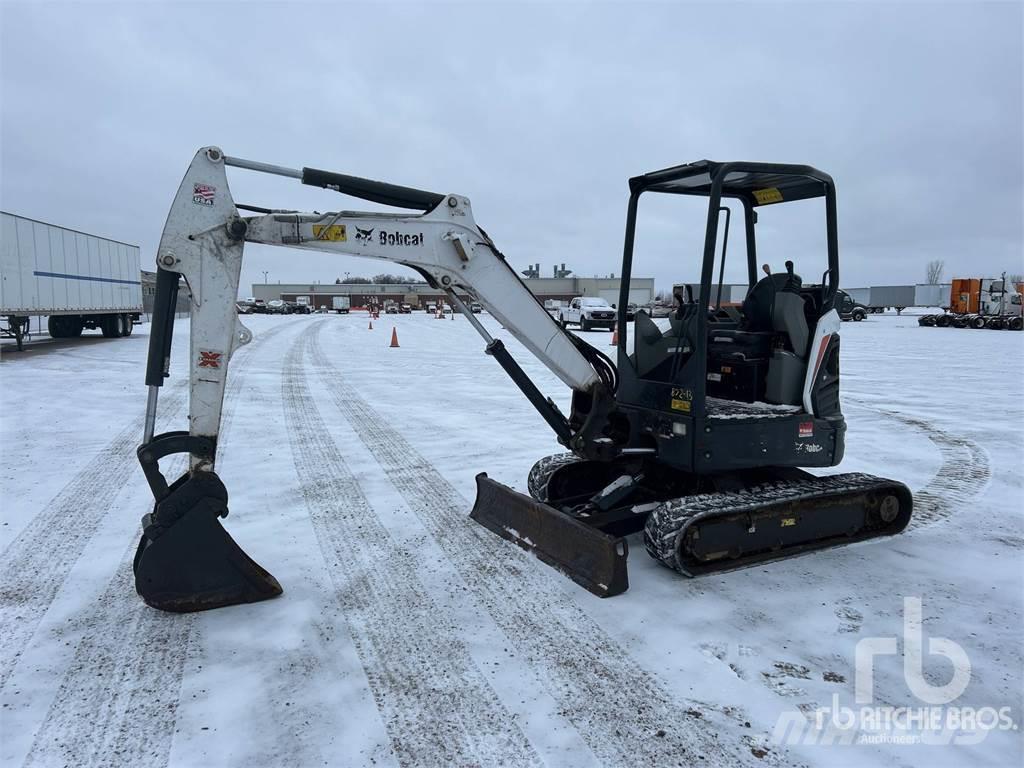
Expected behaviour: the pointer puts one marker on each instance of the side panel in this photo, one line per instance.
(46, 269)
(26, 260)
(43, 287)
(892, 296)
(829, 324)
(11, 271)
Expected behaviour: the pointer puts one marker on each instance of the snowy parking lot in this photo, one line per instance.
(408, 635)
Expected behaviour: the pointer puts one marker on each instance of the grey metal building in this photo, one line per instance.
(641, 291)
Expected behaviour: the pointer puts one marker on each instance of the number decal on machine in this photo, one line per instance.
(681, 399)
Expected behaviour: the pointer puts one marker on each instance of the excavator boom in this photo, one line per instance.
(203, 242)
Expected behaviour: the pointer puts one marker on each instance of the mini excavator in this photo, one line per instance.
(699, 434)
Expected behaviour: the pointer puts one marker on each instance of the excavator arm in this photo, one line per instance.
(203, 242)
(204, 238)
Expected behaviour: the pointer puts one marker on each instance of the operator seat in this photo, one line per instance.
(653, 350)
(777, 301)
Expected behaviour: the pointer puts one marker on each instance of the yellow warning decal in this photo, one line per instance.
(335, 233)
(769, 195)
(680, 405)
(788, 521)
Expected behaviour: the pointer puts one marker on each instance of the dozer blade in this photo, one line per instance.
(594, 560)
(186, 561)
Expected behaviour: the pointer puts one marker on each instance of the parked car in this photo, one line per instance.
(259, 307)
(588, 312)
(405, 309)
(630, 311)
(296, 308)
(390, 308)
(446, 309)
(430, 307)
(476, 307)
(278, 307)
(244, 307)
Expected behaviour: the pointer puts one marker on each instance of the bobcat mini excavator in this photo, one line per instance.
(696, 435)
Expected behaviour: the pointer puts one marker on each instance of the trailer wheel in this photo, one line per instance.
(943, 321)
(64, 326)
(977, 322)
(1016, 324)
(111, 326)
(56, 327)
(125, 324)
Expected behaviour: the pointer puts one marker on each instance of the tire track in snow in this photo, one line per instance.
(437, 707)
(36, 564)
(963, 475)
(620, 710)
(118, 700)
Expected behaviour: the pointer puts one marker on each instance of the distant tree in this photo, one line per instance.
(388, 279)
(1015, 278)
(337, 281)
(355, 281)
(933, 271)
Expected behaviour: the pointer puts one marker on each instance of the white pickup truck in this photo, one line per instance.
(588, 312)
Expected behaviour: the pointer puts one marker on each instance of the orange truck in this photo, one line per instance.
(976, 302)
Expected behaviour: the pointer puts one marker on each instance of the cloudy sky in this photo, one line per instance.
(540, 114)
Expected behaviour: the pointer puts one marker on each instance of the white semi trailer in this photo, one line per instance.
(77, 281)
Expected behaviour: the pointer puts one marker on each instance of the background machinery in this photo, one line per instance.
(996, 304)
(695, 435)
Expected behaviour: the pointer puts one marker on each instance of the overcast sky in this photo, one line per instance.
(538, 113)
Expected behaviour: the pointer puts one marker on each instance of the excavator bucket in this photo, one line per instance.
(593, 559)
(186, 561)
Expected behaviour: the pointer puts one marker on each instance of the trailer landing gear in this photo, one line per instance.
(17, 329)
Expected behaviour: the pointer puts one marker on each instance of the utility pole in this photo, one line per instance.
(265, 276)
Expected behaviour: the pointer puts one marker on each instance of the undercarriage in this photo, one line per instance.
(693, 524)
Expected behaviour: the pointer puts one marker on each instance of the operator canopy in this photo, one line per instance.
(758, 183)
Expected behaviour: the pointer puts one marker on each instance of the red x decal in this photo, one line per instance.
(209, 359)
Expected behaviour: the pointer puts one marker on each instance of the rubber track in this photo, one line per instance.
(117, 702)
(665, 523)
(436, 705)
(618, 708)
(963, 475)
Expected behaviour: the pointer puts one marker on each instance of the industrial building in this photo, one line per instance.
(641, 291)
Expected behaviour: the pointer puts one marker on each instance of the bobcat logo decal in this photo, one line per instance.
(363, 235)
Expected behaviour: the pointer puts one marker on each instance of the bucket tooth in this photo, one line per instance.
(593, 559)
(187, 562)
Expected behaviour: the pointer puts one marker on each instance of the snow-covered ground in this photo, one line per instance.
(409, 635)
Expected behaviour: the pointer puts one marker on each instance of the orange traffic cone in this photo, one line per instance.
(394, 337)
(615, 338)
